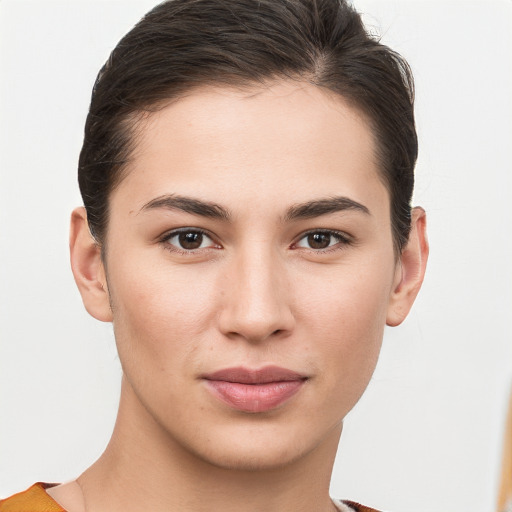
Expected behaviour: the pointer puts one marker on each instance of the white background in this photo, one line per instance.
(427, 435)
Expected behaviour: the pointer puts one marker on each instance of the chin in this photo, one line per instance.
(262, 448)
(253, 458)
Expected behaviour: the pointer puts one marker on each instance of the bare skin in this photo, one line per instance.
(297, 271)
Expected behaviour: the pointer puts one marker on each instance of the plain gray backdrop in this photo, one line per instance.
(427, 434)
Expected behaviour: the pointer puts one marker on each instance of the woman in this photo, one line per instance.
(247, 172)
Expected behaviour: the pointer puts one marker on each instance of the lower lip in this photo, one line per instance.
(254, 397)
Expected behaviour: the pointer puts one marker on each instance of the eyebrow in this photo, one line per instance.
(325, 206)
(188, 205)
(211, 210)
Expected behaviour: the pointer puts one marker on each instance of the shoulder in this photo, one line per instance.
(34, 499)
(351, 506)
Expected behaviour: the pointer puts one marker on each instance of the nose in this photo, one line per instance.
(257, 298)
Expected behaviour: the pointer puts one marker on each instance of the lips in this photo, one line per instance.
(254, 390)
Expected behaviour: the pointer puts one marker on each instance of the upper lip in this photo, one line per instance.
(257, 376)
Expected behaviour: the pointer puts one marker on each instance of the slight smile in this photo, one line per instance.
(254, 390)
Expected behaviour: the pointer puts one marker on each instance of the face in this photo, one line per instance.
(250, 267)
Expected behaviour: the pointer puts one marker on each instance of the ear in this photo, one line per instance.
(410, 270)
(88, 267)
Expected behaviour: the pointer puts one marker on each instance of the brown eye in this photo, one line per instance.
(319, 240)
(189, 240)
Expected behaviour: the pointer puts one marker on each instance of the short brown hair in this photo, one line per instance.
(183, 44)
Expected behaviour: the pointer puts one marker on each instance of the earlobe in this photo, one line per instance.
(88, 268)
(410, 270)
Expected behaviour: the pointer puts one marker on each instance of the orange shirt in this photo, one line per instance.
(34, 499)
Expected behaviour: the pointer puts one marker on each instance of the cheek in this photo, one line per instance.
(348, 299)
(351, 334)
(346, 318)
(159, 315)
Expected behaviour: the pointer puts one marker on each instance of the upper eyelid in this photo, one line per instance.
(334, 232)
(177, 231)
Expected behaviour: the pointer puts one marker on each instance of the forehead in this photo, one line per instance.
(254, 144)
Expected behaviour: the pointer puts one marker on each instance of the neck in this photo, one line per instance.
(144, 468)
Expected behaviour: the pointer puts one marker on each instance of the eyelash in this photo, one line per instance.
(342, 238)
(165, 240)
